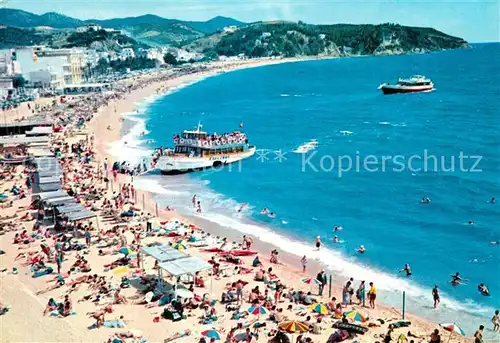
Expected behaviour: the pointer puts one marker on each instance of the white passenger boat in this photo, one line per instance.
(197, 150)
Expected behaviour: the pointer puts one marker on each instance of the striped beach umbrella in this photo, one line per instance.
(257, 309)
(356, 316)
(319, 308)
(453, 328)
(310, 281)
(180, 246)
(294, 326)
(126, 251)
(211, 334)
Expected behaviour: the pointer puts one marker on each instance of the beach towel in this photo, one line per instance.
(46, 271)
(57, 314)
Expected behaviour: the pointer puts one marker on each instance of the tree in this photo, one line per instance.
(19, 81)
(170, 59)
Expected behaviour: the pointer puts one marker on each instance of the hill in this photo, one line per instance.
(19, 18)
(11, 37)
(151, 29)
(300, 39)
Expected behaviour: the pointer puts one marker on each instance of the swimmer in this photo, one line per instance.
(425, 200)
(335, 239)
(337, 228)
(456, 279)
(471, 222)
(271, 215)
(265, 210)
(242, 207)
(361, 249)
(317, 242)
(492, 201)
(483, 289)
(495, 243)
(406, 269)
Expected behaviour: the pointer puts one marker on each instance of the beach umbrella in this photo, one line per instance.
(311, 281)
(319, 308)
(257, 309)
(120, 271)
(211, 334)
(452, 328)
(355, 315)
(180, 246)
(294, 326)
(126, 251)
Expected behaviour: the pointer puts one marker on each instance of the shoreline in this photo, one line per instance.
(291, 262)
(19, 289)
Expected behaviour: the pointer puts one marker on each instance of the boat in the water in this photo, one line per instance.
(197, 150)
(416, 83)
(306, 147)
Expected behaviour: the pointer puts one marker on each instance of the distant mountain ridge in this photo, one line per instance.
(151, 29)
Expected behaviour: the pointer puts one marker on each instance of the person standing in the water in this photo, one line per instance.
(198, 208)
(435, 296)
(318, 242)
(194, 201)
(406, 269)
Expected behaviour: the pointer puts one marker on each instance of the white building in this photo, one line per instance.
(230, 29)
(6, 86)
(127, 53)
(45, 79)
(89, 27)
(66, 64)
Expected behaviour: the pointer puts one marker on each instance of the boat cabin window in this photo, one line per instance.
(196, 136)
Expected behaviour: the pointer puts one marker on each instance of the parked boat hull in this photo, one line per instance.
(394, 89)
(169, 165)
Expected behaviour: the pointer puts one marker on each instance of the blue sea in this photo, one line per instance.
(442, 144)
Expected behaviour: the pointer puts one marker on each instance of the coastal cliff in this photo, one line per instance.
(288, 39)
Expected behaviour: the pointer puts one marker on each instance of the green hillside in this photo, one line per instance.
(300, 39)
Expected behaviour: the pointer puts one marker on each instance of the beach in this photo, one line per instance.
(24, 320)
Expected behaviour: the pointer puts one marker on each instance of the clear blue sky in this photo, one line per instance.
(476, 21)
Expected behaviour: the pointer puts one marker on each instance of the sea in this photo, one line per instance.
(375, 157)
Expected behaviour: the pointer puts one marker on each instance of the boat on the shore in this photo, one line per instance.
(196, 150)
(414, 84)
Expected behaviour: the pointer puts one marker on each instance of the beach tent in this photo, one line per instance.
(163, 253)
(40, 152)
(22, 139)
(39, 131)
(46, 187)
(49, 179)
(60, 201)
(189, 265)
(183, 266)
(69, 208)
(80, 215)
(48, 195)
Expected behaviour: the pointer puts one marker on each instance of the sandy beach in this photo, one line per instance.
(25, 322)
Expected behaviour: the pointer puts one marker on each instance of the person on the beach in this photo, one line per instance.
(435, 337)
(198, 208)
(247, 242)
(478, 335)
(435, 296)
(406, 269)
(372, 295)
(317, 242)
(87, 237)
(360, 293)
(496, 321)
(321, 277)
(303, 261)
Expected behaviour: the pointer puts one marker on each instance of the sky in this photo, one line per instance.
(473, 20)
